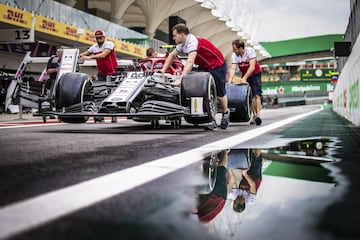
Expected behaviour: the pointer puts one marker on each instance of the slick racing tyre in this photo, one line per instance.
(199, 84)
(239, 102)
(73, 88)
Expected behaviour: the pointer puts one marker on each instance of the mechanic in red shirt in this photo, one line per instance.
(245, 58)
(251, 177)
(202, 52)
(103, 51)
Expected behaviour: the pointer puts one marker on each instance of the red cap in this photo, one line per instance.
(99, 33)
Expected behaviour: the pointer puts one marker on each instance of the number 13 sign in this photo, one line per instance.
(18, 35)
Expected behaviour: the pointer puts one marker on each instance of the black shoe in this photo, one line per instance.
(258, 121)
(225, 119)
(211, 126)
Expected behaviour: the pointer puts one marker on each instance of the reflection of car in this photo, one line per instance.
(304, 151)
(148, 96)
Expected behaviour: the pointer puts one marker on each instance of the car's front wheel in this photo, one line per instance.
(199, 85)
(73, 88)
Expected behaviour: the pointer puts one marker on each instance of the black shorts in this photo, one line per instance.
(219, 75)
(102, 77)
(255, 84)
(220, 188)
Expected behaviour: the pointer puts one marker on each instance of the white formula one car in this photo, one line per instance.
(147, 96)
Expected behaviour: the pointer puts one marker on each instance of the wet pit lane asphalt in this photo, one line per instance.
(297, 184)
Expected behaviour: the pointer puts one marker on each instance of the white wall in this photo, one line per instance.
(346, 100)
(13, 60)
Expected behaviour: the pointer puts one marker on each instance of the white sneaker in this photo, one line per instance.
(252, 121)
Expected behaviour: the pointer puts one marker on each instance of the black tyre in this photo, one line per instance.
(199, 84)
(210, 171)
(73, 88)
(73, 119)
(239, 102)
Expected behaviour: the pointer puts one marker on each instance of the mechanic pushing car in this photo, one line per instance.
(245, 59)
(202, 52)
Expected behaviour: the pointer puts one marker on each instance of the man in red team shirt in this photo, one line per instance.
(245, 58)
(202, 52)
(103, 51)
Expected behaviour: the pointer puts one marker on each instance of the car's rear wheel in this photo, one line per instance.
(239, 102)
(199, 84)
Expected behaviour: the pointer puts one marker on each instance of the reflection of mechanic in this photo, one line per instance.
(245, 59)
(52, 68)
(249, 184)
(203, 53)
(104, 54)
(211, 204)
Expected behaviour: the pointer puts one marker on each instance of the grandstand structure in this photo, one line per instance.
(300, 68)
(133, 25)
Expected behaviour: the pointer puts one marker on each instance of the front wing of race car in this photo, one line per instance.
(149, 110)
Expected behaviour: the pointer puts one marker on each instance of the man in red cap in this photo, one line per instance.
(103, 51)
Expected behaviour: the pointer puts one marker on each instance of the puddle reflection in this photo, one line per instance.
(248, 189)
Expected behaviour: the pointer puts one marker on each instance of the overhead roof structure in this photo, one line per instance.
(221, 21)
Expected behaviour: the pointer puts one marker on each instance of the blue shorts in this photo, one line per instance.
(101, 77)
(219, 75)
(256, 167)
(255, 84)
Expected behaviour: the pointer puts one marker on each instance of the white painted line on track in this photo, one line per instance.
(22, 124)
(28, 214)
(14, 125)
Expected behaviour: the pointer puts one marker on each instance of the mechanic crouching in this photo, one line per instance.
(202, 52)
